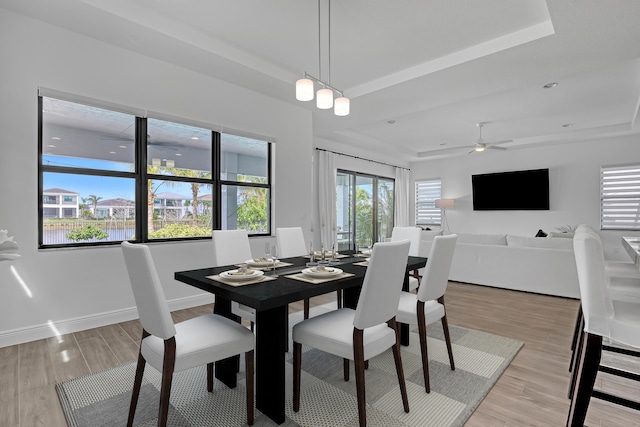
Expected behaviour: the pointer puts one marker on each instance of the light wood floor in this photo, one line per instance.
(531, 392)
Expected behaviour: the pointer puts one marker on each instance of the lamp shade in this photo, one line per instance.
(342, 105)
(304, 90)
(445, 203)
(324, 99)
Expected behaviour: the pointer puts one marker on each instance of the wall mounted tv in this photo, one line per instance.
(517, 190)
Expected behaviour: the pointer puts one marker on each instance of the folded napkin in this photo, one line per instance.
(247, 272)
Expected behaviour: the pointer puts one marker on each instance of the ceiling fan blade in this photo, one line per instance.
(496, 147)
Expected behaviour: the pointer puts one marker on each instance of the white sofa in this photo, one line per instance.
(543, 265)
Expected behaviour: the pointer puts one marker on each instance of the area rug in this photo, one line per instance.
(102, 399)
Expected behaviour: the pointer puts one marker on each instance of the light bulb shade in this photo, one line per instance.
(304, 90)
(342, 105)
(479, 148)
(445, 203)
(324, 99)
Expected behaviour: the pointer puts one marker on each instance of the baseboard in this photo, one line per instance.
(67, 326)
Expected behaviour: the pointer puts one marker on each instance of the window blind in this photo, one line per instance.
(426, 194)
(620, 197)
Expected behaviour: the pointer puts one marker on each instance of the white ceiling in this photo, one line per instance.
(435, 67)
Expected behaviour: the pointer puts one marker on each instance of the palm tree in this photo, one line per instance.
(195, 188)
(93, 199)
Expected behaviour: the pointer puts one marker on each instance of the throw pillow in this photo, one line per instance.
(541, 234)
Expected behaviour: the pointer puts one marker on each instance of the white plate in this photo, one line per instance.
(328, 272)
(228, 275)
(255, 263)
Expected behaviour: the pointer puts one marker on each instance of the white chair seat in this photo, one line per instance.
(413, 284)
(333, 333)
(622, 269)
(196, 345)
(433, 310)
(243, 311)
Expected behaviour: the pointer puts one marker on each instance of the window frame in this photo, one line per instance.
(626, 180)
(140, 178)
(425, 205)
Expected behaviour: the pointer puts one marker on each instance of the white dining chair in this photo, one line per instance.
(605, 318)
(621, 285)
(428, 305)
(412, 234)
(290, 241)
(365, 332)
(232, 247)
(170, 347)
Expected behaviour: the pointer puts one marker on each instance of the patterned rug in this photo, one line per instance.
(102, 399)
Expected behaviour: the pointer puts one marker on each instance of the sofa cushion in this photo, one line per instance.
(482, 239)
(541, 233)
(535, 242)
(560, 234)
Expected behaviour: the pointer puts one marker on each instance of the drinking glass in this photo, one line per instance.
(312, 256)
(267, 251)
(334, 258)
(274, 254)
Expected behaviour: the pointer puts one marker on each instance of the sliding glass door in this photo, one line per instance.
(364, 209)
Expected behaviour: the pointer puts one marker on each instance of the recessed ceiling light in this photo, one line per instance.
(123, 146)
(112, 152)
(550, 85)
(55, 138)
(391, 122)
(195, 138)
(51, 146)
(567, 125)
(178, 154)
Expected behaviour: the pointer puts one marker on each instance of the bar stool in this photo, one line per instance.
(615, 320)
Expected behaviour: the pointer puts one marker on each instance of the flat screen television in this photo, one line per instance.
(516, 190)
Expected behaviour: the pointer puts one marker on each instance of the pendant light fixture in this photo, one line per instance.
(324, 96)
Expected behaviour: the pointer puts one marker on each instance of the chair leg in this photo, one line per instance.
(249, 380)
(209, 377)
(297, 368)
(358, 359)
(422, 333)
(345, 369)
(168, 364)
(447, 336)
(306, 308)
(398, 359)
(587, 370)
(575, 358)
(339, 298)
(137, 383)
(577, 332)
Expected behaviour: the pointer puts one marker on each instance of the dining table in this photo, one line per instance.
(270, 298)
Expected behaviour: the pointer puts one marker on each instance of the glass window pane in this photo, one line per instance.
(245, 208)
(385, 208)
(101, 209)
(244, 159)
(364, 212)
(344, 187)
(177, 149)
(179, 209)
(76, 135)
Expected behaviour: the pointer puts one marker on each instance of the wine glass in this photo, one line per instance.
(312, 256)
(334, 258)
(274, 254)
(267, 251)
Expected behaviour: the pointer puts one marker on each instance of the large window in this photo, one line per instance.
(620, 197)
(364, 209)
(108, 176)
(427, 191)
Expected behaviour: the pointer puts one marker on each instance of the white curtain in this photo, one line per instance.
(401, 207)
(327, 198)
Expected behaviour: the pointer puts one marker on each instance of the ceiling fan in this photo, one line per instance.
(162, 145)
(481, 144)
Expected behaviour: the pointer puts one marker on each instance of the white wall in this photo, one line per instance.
(574, 187)
(81, 288)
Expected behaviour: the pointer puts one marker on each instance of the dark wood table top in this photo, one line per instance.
(283, 290)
